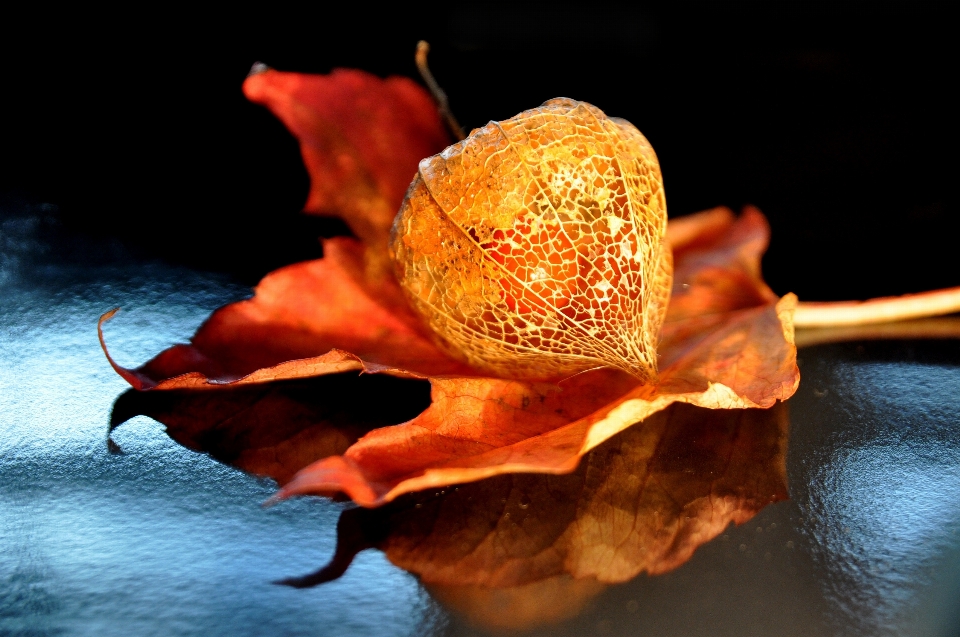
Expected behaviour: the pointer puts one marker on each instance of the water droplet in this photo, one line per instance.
(790, 544)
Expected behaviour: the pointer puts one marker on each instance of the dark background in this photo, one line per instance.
(836, 120)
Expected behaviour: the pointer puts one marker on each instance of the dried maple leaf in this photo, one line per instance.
(361, 139)
(726, 339)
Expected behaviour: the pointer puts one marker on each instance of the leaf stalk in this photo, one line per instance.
(439, 96)
(881, 310)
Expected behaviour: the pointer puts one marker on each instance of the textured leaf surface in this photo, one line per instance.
(361, 138)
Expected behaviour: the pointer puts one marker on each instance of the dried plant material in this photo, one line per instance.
(534, 248)
(643, 501)
(717, 272)
(727, 342)
(882, 310)
(361, 138)
(739, 356)
(319, 317)
(935, 328)
(439, 96)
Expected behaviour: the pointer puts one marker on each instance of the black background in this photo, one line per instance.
(837, 120)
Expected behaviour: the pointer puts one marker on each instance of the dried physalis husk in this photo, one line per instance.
(535, 247)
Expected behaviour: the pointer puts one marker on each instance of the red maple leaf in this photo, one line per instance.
(727, 339)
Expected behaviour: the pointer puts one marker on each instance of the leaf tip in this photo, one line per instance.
(137, 381)
(786, 309)
(106, 316)
(258, 68)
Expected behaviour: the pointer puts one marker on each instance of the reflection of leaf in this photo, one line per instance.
(642, 501)
(273, 430)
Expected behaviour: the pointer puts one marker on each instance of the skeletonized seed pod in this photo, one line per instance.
(535, 247)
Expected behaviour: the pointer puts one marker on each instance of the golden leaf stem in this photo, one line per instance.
(882, 310)
(439, 96)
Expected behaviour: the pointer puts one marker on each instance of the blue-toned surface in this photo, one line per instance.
(161, 540)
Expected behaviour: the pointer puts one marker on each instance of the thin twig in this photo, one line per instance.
(882, 310)
(438, 95)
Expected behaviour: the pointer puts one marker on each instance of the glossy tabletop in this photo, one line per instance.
(142, 535)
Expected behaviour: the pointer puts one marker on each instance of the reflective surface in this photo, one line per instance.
(163, 540)
(876, 473)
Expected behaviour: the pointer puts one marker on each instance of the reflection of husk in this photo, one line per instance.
(546, 601)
